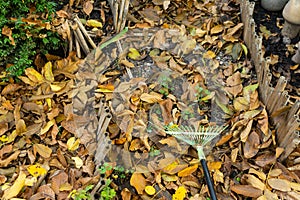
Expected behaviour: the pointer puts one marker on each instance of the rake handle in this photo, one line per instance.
(208, 180)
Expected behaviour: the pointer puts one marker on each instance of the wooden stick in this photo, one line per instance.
(120, 16)
(124, 18)
(105, 124)
(81, 41)
(78, 52)
(80, 25)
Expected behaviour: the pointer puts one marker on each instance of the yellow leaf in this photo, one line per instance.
(151, 98)
(150, 190)
(57, 86)
(188, 171)
(49, 103)
(108, 88)
(65, 187)
(30, 181)
(78, 162)
(73, 144)
(33, 75)
(94, 23)
(216, 29)
(16, 187)
(218, 176)
(43, 150)
(179, 194)
(209, 54)
(134, 54)
(138, 181)
(48, 72)
(244, 49)
(36, 170)
(48, 125)
(214, 165)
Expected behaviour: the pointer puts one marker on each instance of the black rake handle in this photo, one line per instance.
(208, 180)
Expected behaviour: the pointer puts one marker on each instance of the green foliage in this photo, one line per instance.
(20, 40)
(81, 194)
(107, 193)
(154, 152)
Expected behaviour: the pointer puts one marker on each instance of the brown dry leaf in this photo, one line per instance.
(260, 174)
(244, 134)
(209, 54)
(8, 32)
(18, 185)
(295, 186)
(234, 154)
(8, 106)
(251, 145)
(58, 180)
(153, 97)
(171, 142)
(135, 144)
(188, 171)
(279, 184)
(265, 159)
(263, 122)
(47, 127)
(43, 150)
(255, 182)
(234, 90)
(2, 179)
(234, 80)
(246, 190)
(88, 7)
(216, 29)
(138, 181)
(241, 104)
(34, 75)
(10, 88)
(174, 167)
(44, 191)
(218, 176)
(7, 161)
(126, 194)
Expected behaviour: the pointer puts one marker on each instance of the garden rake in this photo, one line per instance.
(198, 139)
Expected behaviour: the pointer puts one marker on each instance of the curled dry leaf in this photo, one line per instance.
(188, 171)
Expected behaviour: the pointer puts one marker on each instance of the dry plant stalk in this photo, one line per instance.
(286, 125)
(119, 9)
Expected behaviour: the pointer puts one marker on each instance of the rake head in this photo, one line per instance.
(198, 138)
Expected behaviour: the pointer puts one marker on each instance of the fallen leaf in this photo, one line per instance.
(43, 150)
(73, 143)
(94, 23)
(134, 54)
(36, 170)
(138, 181)
(246, 190)
(180, 193)
(216, 29)
(255, 182)
(17, 186)
(188, 171)
(88, 7)
(8, 32)
(78, 162)
(251, 145)
(48, 74)
(279, 184)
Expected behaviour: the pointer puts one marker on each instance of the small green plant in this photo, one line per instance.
(202, 93)
(25, 30)
(154, 152)
(107, 193)
(81, 194)
(105, 167)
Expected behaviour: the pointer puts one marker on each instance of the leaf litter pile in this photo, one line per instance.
(189, 67)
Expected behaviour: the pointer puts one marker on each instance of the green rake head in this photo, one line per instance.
(198, 138)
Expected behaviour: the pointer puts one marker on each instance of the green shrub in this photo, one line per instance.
(24, 32)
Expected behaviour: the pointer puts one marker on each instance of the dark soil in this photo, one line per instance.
(274, 46)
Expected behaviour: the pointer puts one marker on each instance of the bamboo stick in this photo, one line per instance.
(80, 39)
(83, 30)
(105, 124)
